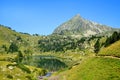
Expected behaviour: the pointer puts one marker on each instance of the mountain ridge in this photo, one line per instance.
(82, 27)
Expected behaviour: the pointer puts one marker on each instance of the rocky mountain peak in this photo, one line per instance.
(78, 26)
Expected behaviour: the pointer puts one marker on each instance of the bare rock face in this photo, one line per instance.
(78, 26)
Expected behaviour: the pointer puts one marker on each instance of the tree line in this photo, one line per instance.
(110, 40)
(59, 43)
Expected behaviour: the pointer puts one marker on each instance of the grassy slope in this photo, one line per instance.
(6, 36)
(28, 42)
(112, 50)
(94, 69)
(16, 73)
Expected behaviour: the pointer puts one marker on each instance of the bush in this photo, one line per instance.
(19, 57)
(13, 48)
(24, 68)
(9, 76)
(29, 77)
(10, 59)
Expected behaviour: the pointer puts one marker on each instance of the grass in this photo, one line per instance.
(17, 71)
(7, 57)
(93, 69)
(26, 42)
(112, 50)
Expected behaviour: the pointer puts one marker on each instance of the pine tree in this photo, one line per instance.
(97, 46)
(19, 57)
(13, 48)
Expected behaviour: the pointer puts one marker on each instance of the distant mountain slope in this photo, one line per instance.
(80, 26)
(7, 35)
(22, 40)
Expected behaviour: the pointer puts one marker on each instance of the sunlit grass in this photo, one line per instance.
(94, 69)
(16, 73)
(112, 50)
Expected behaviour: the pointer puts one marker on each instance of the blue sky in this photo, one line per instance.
(43, 16)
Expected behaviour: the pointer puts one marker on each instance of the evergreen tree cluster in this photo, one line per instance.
(115, 37)
(13, 47)
(56, 43)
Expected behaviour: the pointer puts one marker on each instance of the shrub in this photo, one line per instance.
(13, 48)
(24, 68)
(9, 76)
(29, 77)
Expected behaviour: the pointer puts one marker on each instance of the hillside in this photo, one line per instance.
(7, 34)
(92, 69)
(15, 48)
(23, 41)
(11, 71)
(112, 50)
(78, 26)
